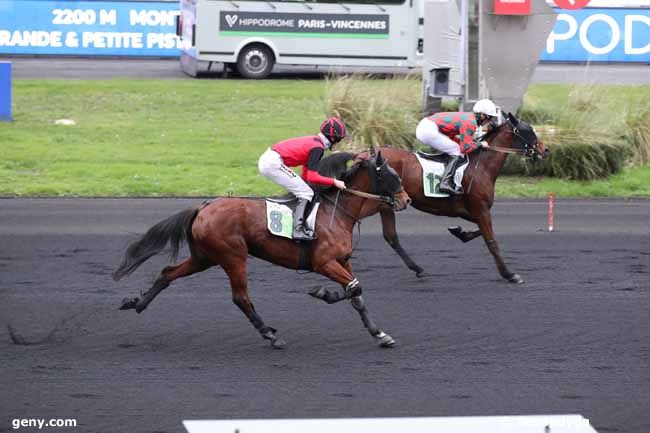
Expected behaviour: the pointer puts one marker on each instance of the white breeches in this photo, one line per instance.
(428, 133)
(271, 166)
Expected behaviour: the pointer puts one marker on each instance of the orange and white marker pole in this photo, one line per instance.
(551, 205)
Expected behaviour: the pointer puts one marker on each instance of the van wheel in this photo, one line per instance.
(255, 61)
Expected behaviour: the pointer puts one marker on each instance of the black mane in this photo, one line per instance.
(336, 166)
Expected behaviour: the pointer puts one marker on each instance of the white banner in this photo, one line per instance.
(478, 424)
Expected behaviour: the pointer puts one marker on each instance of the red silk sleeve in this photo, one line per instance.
(312, 176)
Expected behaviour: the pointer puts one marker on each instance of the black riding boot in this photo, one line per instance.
(300, 232)
(447, 184)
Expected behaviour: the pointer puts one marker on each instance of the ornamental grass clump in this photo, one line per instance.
(381, 112)
(585, 135)
(637, 133)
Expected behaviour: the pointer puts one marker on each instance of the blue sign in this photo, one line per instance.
(600, 35)
(89, 28)
(5, 91)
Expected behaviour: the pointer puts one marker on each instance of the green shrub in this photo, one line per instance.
(581, 161)
(589, 136)
(637, 133)
(572, 161)
(377, 112)
(614, 115)
(518, 166)
(539, 115)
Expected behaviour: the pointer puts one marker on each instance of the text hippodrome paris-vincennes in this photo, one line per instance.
(314, 24)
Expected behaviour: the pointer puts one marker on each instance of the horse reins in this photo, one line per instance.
(507, 150)
(522, 152)
(381, 198)
(335, 203)
(471, 182)
(356, 220)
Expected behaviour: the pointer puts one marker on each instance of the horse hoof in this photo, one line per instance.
(385, 340)
(128, 303)
(421, 274)
(516, 279)
(317, 292)
(278, 343)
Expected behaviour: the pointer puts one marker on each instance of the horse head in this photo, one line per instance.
(517, 135)
(385, 181)
(372, 175)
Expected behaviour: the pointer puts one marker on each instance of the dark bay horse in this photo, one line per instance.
(514, 136)
(227, 230)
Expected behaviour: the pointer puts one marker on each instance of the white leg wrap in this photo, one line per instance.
(351, 285)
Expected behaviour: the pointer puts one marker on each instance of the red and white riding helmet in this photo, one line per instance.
(333, 129)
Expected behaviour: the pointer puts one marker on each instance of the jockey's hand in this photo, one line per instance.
(484, 144)
(339, 184)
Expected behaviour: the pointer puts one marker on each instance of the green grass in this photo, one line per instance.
(631, 182)
(198, 137)
(154, 137)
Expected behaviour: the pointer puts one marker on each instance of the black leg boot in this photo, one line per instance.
(299, 231)
(447, 184)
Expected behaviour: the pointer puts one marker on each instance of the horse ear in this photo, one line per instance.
(513, 119)
(372, 151)
(380, 160)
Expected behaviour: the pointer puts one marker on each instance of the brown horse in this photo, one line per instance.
(514, 136)
(227, 230)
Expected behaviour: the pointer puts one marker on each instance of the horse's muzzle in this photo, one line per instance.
(402, 201)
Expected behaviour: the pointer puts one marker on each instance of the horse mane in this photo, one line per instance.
(336, 166)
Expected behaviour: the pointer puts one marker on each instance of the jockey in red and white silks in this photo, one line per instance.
(457, 134)
(306, 152)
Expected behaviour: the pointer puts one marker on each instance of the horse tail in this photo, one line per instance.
(174, 230)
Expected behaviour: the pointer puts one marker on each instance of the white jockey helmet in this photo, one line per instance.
(485, 106)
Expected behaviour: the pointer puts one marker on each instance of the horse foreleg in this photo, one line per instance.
(170, 273)
(484, 221)
(385, 340)
(239, 284)
(388, 226)
(343, 274)
(463, 235)
(335, 271)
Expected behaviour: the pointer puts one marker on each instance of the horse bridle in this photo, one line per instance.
(528, 150)
(387, 199)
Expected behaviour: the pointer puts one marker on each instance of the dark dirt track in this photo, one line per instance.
(573, 339)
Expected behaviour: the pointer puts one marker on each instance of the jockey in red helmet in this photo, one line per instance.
(307, 152)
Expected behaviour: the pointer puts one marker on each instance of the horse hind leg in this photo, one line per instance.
(170, 273)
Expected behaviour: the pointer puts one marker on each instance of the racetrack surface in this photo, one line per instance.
(573, 339)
